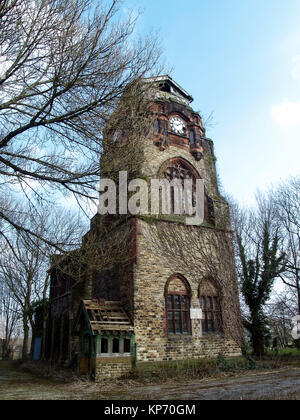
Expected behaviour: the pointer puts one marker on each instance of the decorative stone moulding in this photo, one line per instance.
(197, 151)
(161, 141)
(158, 140)
(163, 146)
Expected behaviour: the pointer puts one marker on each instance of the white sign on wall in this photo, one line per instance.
(196, 313)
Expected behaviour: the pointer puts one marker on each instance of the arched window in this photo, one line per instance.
(181, 170)
(210, 305)
(178, 306)
(192, 137)
(156, 125)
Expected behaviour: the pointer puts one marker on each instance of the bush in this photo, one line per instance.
(195, 368)
(222, 363)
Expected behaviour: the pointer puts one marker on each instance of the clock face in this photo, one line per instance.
(177, 125)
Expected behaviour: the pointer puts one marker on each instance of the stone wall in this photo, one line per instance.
(114, 367)
(154, 268)
(186, 348)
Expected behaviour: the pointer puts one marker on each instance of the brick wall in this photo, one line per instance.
(117, 367)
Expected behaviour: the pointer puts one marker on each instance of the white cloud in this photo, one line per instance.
(287, 113)
(69, 201)
(296, 67)
(4, 66)
(26, 186)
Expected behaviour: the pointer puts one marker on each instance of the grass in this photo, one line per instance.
(165, 376)
(195, 369)
(157, 373)
(285, 352)
(46, 370)
(207, 368)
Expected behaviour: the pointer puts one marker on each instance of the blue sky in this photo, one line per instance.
(241, 60)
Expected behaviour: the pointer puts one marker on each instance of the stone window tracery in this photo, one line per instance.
(178, 169)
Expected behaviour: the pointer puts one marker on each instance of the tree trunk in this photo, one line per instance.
(257, 337)
(33, 330)
(43, 355)
(258, 345)
(5, 350)
(32, 346)
(26, 340)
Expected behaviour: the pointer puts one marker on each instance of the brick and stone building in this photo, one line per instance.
(174, 294)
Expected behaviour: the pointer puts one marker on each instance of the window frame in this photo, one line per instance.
(110, 338)
(186, 311)
(214, 309)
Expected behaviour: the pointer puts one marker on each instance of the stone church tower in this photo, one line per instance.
(175, 297)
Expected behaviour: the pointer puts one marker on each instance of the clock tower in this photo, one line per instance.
(177, 284)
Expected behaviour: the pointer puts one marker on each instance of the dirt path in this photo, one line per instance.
(17, 385)
(271, 385)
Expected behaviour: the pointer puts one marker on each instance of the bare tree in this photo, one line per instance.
(287, 204)
(9, 321)
(64, 65)
(280, 311)
(24, 262)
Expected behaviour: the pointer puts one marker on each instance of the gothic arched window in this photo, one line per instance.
(180, 169)
(177, 169)
(178, 306)
(210, 305)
